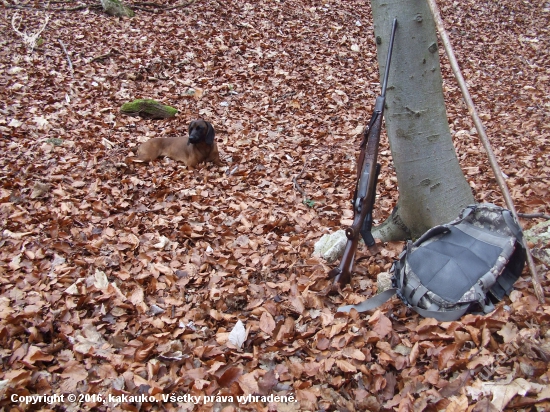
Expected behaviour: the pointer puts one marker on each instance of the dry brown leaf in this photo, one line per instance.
(35, 354)
(345, 366)
(248, 383)
(297, 303)
(74, 371)
(447, 354)
(229, 376)
(485, 337)
(267, 323)
(414, 354)
(267, 382)
(143, 352)
(458, 404)
(137, 296)
(380, 324)
(353, 353)
(432, 376)
(508, 332)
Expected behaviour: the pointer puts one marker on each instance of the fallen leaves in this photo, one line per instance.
(381, 325)
(118, 278)
(503, 393)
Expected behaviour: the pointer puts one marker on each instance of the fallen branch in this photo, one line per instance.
(46, 8)
(147, 6)
(68, 58)
(484, 140)
(534, 215)
(112, 53)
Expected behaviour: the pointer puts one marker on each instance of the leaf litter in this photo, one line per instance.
(195, 287)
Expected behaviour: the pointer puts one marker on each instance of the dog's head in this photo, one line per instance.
(201, 131)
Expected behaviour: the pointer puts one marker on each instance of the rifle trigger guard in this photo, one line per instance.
(358, 204)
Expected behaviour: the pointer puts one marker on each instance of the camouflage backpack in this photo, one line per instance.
(463, 266)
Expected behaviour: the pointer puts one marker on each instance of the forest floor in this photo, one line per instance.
(120, 282)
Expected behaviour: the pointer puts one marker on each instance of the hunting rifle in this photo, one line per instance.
(365, 189)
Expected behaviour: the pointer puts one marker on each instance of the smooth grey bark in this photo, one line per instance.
(432, 187)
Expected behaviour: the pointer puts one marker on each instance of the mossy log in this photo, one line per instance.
(117, 8)
(148, 109)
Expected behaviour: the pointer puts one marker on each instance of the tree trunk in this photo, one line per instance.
(432, 187)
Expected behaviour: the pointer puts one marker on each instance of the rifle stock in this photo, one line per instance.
(365, 190)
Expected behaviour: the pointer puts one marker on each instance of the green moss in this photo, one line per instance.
(117, 8)
(55, 141)
(148, 109)
(172, 111)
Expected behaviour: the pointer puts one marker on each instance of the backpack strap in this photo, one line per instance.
(433, 312)
(513, 226)
(371, 303)
(442, 316)
(381, 298)
(434, 231)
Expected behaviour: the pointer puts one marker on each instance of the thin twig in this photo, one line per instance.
(147, 6)
(68, 58)
(484, 140)
(112, 53)
(534, 215)
(297, 186)
(28, 7)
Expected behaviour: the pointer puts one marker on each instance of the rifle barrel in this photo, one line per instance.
(388, 59)
(365, 189)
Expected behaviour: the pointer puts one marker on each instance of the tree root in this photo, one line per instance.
(393, 229)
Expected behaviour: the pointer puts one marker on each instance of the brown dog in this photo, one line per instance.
(198, 147)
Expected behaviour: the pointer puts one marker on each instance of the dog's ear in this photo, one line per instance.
(210, 133)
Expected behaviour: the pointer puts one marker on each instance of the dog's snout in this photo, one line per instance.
(193, 138)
